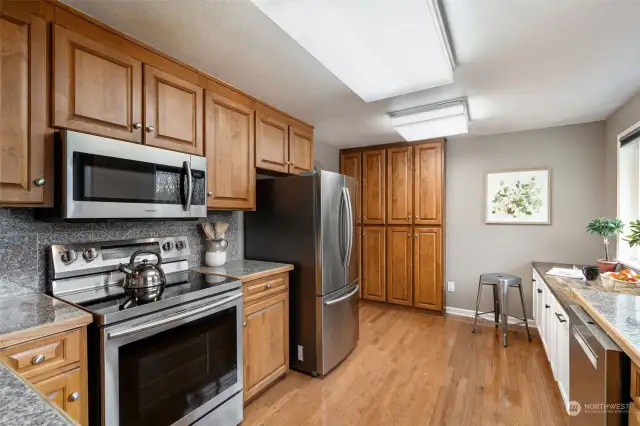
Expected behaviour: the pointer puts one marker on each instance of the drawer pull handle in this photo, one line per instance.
(268, 285)
(244, 324)
(74, 396)
(539, 291)
(547, 306)
(38, 359)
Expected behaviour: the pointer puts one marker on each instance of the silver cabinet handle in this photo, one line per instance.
(416, 216)
(415, 235)
(39, 182)
(340, 299)
(268, 285)
(172, 318)
(209, 194)
(137, 125)
(74, 396)
(150, 129)
(244, 324)
(38, 359)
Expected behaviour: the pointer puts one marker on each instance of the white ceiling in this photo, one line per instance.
(523, 64)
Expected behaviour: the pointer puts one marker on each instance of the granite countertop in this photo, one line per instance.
(618, 314)
(562, 287)
(24, 318)
(21, 405)
(245, 270)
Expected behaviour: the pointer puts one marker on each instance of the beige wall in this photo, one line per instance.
(625, 117)
(574, 154)
(327, 157)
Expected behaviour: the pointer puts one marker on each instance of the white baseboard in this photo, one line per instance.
(469, 313)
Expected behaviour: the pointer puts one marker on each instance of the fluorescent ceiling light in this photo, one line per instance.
(432, 121)
(378, 48)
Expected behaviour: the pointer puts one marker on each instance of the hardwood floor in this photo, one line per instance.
(413, 368)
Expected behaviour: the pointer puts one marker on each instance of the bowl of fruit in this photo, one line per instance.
(625, 278)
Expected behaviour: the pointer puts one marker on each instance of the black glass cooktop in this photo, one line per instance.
(111, 304)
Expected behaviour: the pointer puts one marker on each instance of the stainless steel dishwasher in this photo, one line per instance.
(599, 375)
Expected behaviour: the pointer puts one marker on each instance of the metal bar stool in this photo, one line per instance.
(500, 284)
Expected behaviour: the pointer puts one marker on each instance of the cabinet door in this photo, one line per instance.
(350, 165)
(229, 148)
(272, 143)
(427, 266)
(373, 187)
(300, 150)
(400, 185)
(173, 112)
(266, 343)
(428, 184)
(373, 263)
(358, 243)
(534, 295)
(562, 352)
(399, 265)
(95, 89)
(23, 107)
(65, 391)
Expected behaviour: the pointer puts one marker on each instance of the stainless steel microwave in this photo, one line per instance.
(101, 178)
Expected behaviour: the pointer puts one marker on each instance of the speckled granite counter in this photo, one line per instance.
(21, 405)
(24, 318)
(561, 287)
(245, 270)
(618, 315)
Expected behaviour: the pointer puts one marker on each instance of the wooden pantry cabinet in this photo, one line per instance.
(403, 193)
(25, 161)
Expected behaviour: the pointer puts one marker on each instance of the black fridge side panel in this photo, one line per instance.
(282, 230)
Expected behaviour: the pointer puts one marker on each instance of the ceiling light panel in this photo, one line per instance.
(432, 121)
(378, 48)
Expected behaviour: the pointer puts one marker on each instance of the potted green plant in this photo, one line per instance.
(606, 228)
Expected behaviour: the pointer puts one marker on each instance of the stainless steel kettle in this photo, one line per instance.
(144, 281)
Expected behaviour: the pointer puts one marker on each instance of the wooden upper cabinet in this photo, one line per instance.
(350, 165)
(373, 187)
(427, 267)
(400, 185)
(272, 143)
(229, 147)
(399, 265)
(96, 89)
(373, 263)
(300, 150)
(265, 342)
(428, 183)
(23, 107)
(173, 112)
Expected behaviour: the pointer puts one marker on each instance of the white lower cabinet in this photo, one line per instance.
(553, 327)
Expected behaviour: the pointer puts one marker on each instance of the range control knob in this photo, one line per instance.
(69, 256)
(168, 246)
(180, 245)
(90, 254)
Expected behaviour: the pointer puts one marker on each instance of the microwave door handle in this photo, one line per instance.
(187, 166)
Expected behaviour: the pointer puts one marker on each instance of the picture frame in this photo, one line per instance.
(518, 197)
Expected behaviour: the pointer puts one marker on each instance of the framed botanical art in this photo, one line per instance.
(518, 197)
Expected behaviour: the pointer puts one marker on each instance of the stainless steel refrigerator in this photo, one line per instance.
(308, 221)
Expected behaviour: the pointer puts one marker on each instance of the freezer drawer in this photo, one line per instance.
(338, 328)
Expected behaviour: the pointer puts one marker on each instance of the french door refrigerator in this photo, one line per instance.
(308, 221)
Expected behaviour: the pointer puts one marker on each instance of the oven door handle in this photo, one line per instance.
(173, 318)
(187, 204)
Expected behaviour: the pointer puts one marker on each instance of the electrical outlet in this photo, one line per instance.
(451, 286)
(300, 354)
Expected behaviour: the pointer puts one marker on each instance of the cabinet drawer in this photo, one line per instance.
(634, 415)
(40, 356)
(264, 287)
(635, 383)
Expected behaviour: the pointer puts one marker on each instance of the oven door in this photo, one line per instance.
(174, 367)
(110, 179)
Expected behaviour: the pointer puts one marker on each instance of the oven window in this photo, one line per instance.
(166, 376)
(109, 179)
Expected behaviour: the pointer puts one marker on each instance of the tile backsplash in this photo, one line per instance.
(24, 240)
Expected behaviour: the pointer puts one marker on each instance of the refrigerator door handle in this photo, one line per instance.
(349, 226)
(341, 228)
(340, 299)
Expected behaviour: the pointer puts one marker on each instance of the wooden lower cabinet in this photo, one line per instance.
(358, 243)
(56, 365)
(373, 263)
(427, 268)
(634, 415)
(65, 391)
(265, 335)
(399, 265)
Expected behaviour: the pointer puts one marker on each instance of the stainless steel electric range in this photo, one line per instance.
(176, 360)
